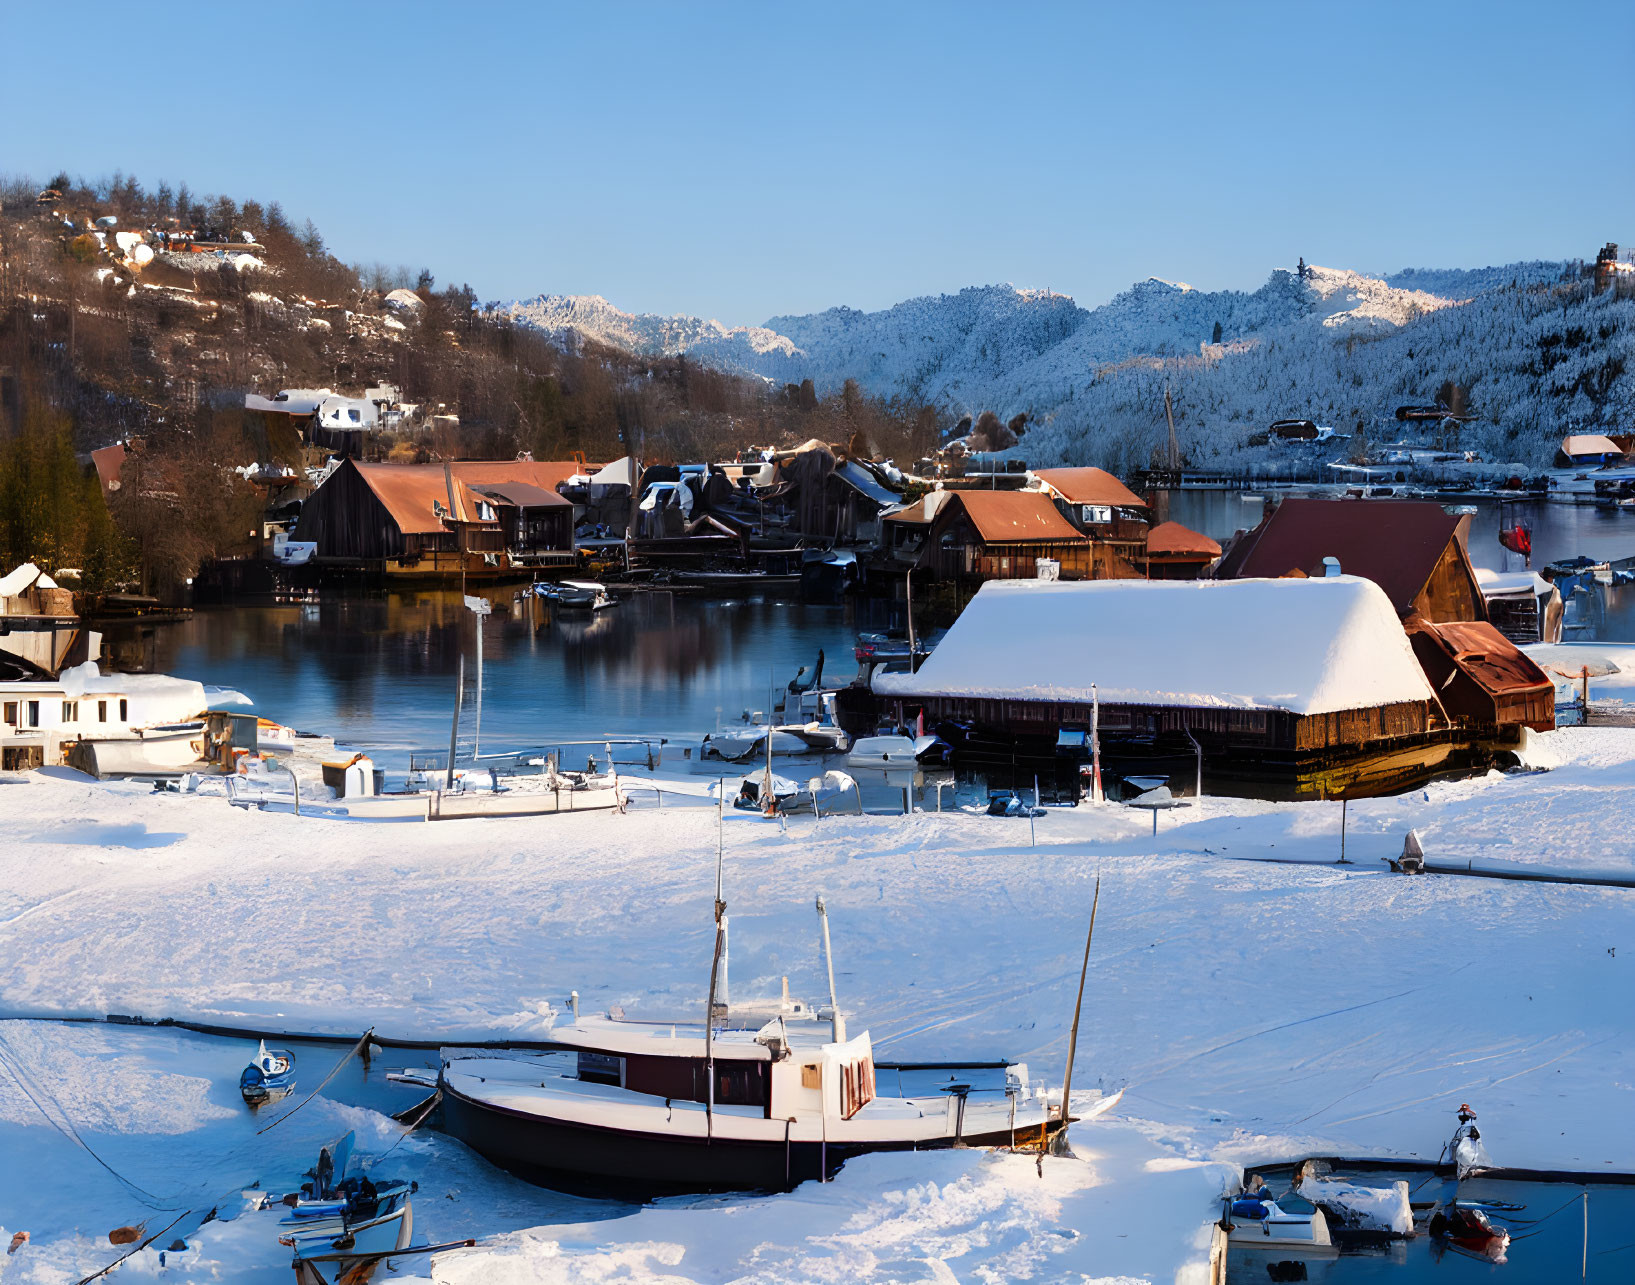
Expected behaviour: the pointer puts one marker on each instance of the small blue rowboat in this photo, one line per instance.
(269, 1077)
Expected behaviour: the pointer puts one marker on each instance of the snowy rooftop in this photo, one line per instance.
(1307, 646)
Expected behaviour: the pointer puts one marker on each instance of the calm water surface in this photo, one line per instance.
(380, 671)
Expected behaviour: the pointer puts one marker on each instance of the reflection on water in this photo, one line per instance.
(1559, 531)
(1552, 1239)
(380, 670)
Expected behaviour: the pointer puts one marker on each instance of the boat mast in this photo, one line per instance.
(717, 973)
(1073, 1036)
(454, 731)
(837, 1024)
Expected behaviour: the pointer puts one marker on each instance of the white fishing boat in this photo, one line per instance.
(757, 1097)
(738, 744)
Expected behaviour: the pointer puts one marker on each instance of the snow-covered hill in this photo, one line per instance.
(743, 349)
(1330, 344)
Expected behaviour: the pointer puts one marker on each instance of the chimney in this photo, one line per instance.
(1331, 568)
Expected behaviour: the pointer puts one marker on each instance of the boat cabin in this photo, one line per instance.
(783, 1070)
(39, 720)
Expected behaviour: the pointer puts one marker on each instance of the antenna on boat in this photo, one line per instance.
(837, 1023)
(1073, 1036)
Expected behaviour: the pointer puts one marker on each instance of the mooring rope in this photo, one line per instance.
(419, 1120)
(67, 1129)
(1534, 1222)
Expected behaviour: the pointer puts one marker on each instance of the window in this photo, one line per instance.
(11, 713)
(102, 711)
(123, 716)
(1096, 514)
(33, 714)
(601, 1068)
(70, 711)
(353, 415)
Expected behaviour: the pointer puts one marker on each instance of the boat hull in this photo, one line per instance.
(578, 1157)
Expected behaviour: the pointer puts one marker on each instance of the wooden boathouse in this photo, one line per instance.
(1418, 554)
(435, 520)
(1291, 688)
(973, 535)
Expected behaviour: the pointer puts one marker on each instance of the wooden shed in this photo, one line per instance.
(1175, 552)
(1483, 680)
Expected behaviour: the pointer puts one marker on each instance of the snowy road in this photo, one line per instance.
(1251, 1010)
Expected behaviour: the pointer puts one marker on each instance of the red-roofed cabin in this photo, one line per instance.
(1175, 552)
(1100, 506)
(421, 518)
(996, 535)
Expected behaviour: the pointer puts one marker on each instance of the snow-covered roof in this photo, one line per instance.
(1306, 646)
(336, 411)
(23, 578)
(1502, 584)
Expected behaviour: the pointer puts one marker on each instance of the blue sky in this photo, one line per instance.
(742, 160)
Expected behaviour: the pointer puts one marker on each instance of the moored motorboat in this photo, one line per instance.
(1467, 1227)
(270, 1076)
(341, 1226)
(1256, 1218)
(589, 594)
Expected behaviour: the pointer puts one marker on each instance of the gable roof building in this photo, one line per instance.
(994, 535)
(374, 512)
(1414, 550)
(1175, 552)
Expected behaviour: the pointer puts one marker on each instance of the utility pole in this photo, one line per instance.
(1174, 447)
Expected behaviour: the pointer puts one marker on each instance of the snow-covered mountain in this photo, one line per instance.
(742, 349)
(1331, 344)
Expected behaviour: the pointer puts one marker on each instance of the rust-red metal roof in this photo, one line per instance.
(1089, 486)
(1171, 539)
(409, 491)
(1486, 655)
(1394, 543)
(1002, 517)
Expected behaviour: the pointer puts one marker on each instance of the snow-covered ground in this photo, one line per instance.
(1249, 1009)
